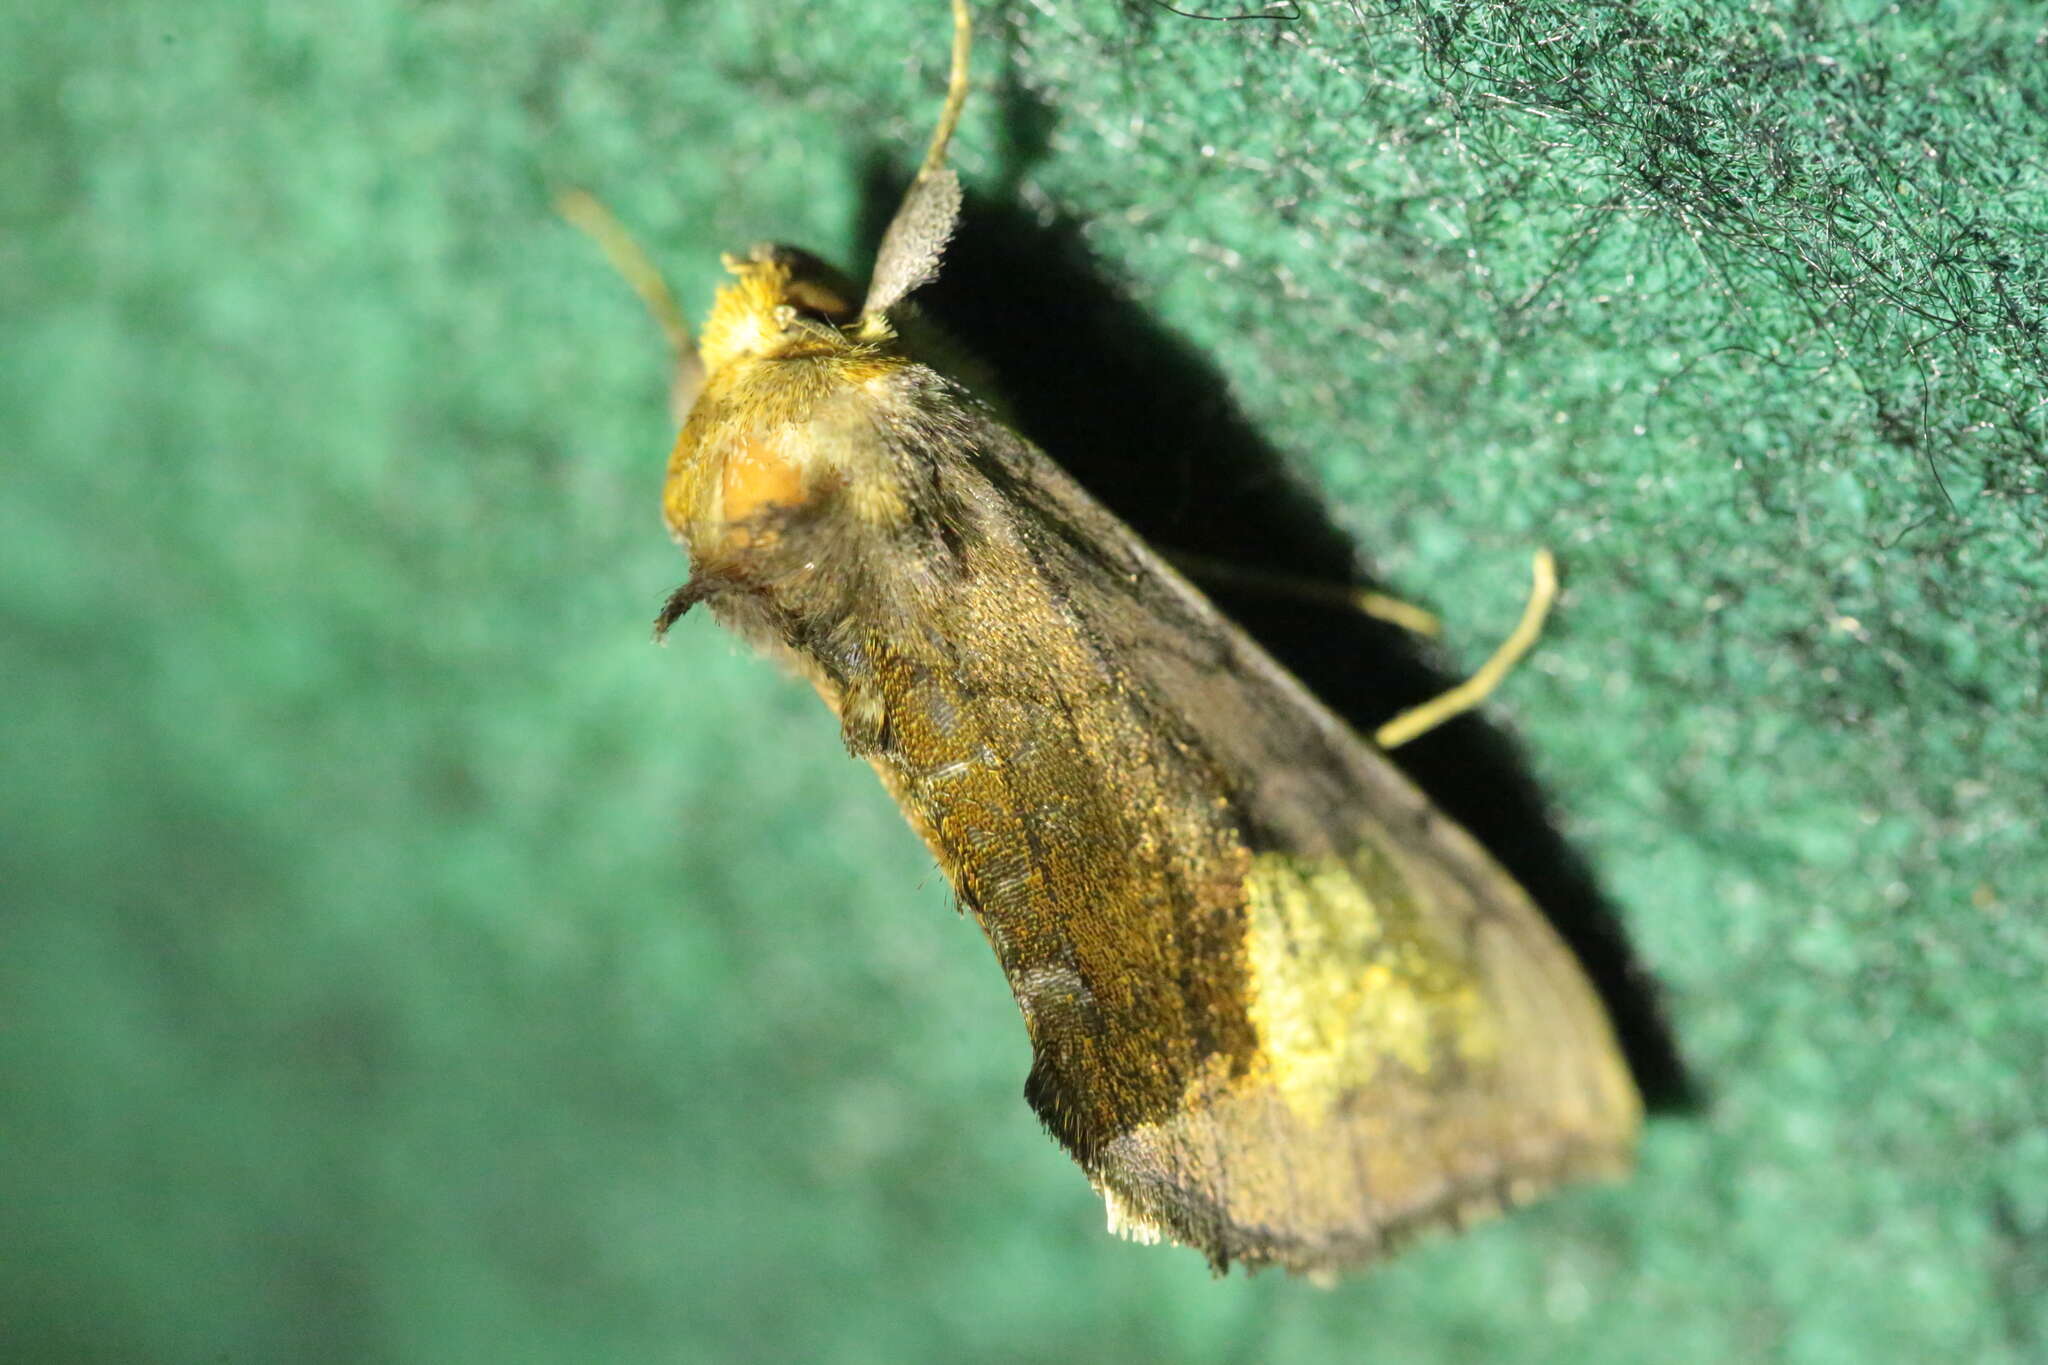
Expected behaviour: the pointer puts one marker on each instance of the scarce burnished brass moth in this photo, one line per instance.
(1281, 1009)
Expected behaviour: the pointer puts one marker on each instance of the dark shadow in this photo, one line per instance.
(1141, 420)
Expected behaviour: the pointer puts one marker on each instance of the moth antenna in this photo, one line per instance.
(584, 211)
(956, 92)
(1419, 720)
(916, 238)
(1377, 605)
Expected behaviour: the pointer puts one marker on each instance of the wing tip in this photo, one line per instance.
(1160, 1214)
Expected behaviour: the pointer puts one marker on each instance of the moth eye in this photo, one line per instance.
(820, 299)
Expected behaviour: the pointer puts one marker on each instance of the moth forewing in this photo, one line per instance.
(1281, 1009)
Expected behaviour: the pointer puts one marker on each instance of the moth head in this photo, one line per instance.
(785, 393)
(782, 303)
(786, 303)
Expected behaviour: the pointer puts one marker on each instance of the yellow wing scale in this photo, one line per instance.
(1346, 980)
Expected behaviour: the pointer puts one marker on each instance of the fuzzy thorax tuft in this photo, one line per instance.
(782, 302)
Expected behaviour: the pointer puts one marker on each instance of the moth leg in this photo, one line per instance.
(679, 602)
(1377, 605)
(584, 211)
(1419, 720)
(847, 682)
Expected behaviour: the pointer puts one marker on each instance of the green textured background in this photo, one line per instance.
(403, 960)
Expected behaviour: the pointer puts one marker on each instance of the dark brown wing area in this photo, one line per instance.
(1281, 1009)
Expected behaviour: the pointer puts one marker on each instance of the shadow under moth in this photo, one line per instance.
(1281, 1009)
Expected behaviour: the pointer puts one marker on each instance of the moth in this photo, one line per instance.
(1281, 1009)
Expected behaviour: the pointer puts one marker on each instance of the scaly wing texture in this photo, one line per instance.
(1281, 1009)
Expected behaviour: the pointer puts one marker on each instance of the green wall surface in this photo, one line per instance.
(403, 959)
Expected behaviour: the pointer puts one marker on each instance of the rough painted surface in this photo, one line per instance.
(405, 961)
